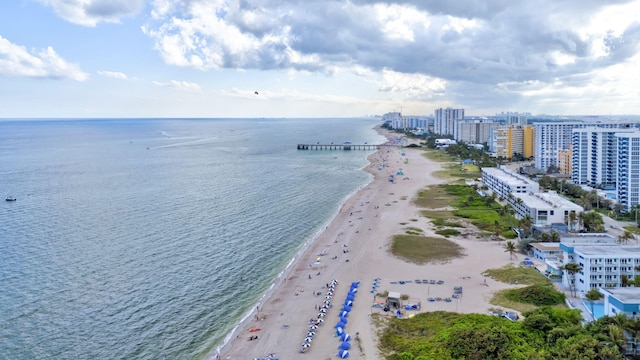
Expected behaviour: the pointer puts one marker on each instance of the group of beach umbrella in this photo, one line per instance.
(344, 338)
(374, 287)
(313, 326)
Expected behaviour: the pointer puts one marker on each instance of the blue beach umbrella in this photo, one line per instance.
(343, 354)
(353, 291)
(340, 325)
(348, 302)
(345, 337)
(344, 320)
(344, 314)
(345, 345)
(355, 284)
(347, 308)
(339, 331)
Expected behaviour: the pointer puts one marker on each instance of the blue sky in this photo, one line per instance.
(206, 58)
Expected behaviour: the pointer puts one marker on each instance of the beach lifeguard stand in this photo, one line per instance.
(394, 300)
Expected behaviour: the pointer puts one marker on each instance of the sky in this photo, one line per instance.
(317, 58)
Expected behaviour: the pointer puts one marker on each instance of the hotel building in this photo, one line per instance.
(602, 260)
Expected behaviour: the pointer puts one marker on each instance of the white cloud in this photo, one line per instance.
(113, 74)
(91, 12)
(180, 85)
(16, 60)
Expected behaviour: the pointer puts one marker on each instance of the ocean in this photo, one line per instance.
(152, 238)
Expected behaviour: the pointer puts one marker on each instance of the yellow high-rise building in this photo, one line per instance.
(512, 139)
(529, 141)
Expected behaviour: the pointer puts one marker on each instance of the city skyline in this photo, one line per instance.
(216, 58)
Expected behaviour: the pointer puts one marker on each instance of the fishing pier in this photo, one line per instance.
(338, 147)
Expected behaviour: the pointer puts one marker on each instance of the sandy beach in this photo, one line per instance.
(355, 248)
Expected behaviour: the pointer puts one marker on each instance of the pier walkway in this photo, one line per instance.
(339, 146)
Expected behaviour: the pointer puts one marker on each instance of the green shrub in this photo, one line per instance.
(539, 295)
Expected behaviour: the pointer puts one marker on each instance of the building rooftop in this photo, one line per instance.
(608, 250)
(627, 295)
(588, 239)
(546, 246)
(508, 177)
(547, 200)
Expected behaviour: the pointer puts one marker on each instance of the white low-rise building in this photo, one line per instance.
(603, 262)
(505, 183)
(546, 208)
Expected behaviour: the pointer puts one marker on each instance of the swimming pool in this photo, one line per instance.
(598, 308)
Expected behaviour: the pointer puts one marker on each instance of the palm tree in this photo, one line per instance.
(510, 247)
(525, 224)
(593, 295)
(554, 237)
(572, 220)
(497, 229)
(572, 269)
(625, 237)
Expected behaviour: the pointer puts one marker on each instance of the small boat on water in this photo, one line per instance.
(10, 198)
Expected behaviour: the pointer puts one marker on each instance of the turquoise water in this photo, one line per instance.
(598, 309)
(152, 238)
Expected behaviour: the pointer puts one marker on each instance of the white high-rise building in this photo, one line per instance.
(628, 174)
(445, 120)
(594, 155)
(553, 136)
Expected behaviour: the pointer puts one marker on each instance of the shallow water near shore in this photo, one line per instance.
(150, 238)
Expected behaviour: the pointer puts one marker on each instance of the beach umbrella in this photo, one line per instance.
(313, 327)
(345, 345)
(323, 310)
(308, 339)
(344, 314)
(340, 324)
(310, 333)
(343, 354)
(319, 321)
(339, 331)
(348, 303)
(354, 290)
(345, 337)
(347, 308)
(321, 315)
(351, 297)
(355, 284)
(329, 292)
(343, 319)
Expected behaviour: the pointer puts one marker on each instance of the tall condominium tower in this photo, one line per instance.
(628, 189)
(553, 136)
(444, 122)
(594, 155)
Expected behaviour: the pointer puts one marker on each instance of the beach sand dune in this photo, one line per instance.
(355, 248)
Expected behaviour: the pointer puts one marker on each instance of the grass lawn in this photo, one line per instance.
(522, 275)
(512, 273)
(438, 155)
(424, 249)
(433, 197)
